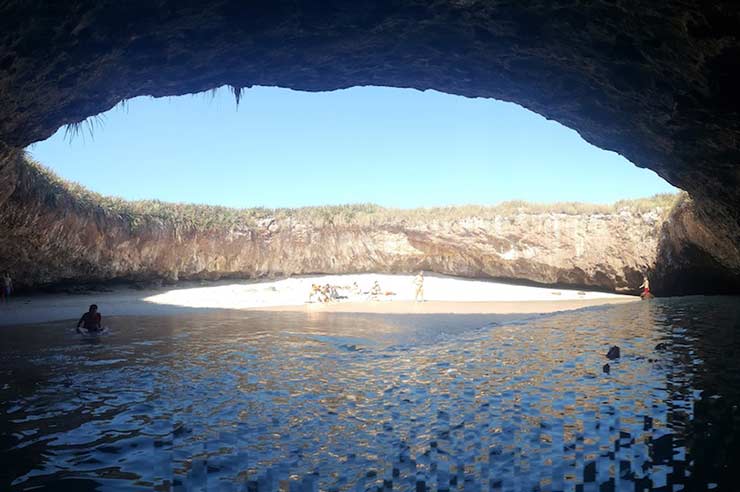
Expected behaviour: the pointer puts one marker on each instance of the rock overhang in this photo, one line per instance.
(655, 82)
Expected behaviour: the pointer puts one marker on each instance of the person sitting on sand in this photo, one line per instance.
(333, 292)
(419, 283)
(326, 294)
(91, 320)
(315, 292)
(646, 288)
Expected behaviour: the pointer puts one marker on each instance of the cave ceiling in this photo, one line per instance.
(658, 82)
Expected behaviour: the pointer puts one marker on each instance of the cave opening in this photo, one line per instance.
(399, 148)
(361, 156)
(368, 152)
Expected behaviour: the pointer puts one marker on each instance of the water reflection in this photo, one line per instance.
(340, 402)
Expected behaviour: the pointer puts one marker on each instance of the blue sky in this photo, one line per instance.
(394, 147)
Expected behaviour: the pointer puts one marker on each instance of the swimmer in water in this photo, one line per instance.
(91, 320)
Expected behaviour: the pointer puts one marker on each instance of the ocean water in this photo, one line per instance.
(289, 401)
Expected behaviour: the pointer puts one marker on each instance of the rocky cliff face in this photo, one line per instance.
(697, 252)
(52, 238)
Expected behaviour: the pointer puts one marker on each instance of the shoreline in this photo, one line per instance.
(446, 307)
(445, 295)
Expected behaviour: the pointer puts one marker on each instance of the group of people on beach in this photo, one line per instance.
(328, 293)
(324, 293)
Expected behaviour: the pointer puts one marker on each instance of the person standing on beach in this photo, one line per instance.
(646, 288)
(6, 287)
(419, 283)
(375, 291)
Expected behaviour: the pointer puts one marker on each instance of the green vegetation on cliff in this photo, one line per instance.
(53, 189)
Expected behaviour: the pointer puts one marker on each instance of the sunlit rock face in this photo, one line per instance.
(654, 81)
(50, 237)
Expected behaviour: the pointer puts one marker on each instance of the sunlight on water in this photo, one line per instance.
(260, 401)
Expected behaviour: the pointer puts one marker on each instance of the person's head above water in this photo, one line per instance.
(93, 308)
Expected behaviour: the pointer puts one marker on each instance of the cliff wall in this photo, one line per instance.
(52, 234)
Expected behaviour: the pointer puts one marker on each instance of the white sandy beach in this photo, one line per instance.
(442, 295)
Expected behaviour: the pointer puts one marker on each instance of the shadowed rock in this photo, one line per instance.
(613, 353)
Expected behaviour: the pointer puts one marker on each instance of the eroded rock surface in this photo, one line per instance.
(699, 251)
(48, 236)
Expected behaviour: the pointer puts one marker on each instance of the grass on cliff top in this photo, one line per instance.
(58, 191)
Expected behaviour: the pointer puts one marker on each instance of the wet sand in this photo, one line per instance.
(450, 307)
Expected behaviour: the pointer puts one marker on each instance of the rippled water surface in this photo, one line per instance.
(258, 401)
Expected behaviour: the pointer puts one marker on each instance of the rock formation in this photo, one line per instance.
(51, 236)
(656, 82)
(697, 252)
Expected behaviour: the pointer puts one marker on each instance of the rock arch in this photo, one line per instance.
(655, 82)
